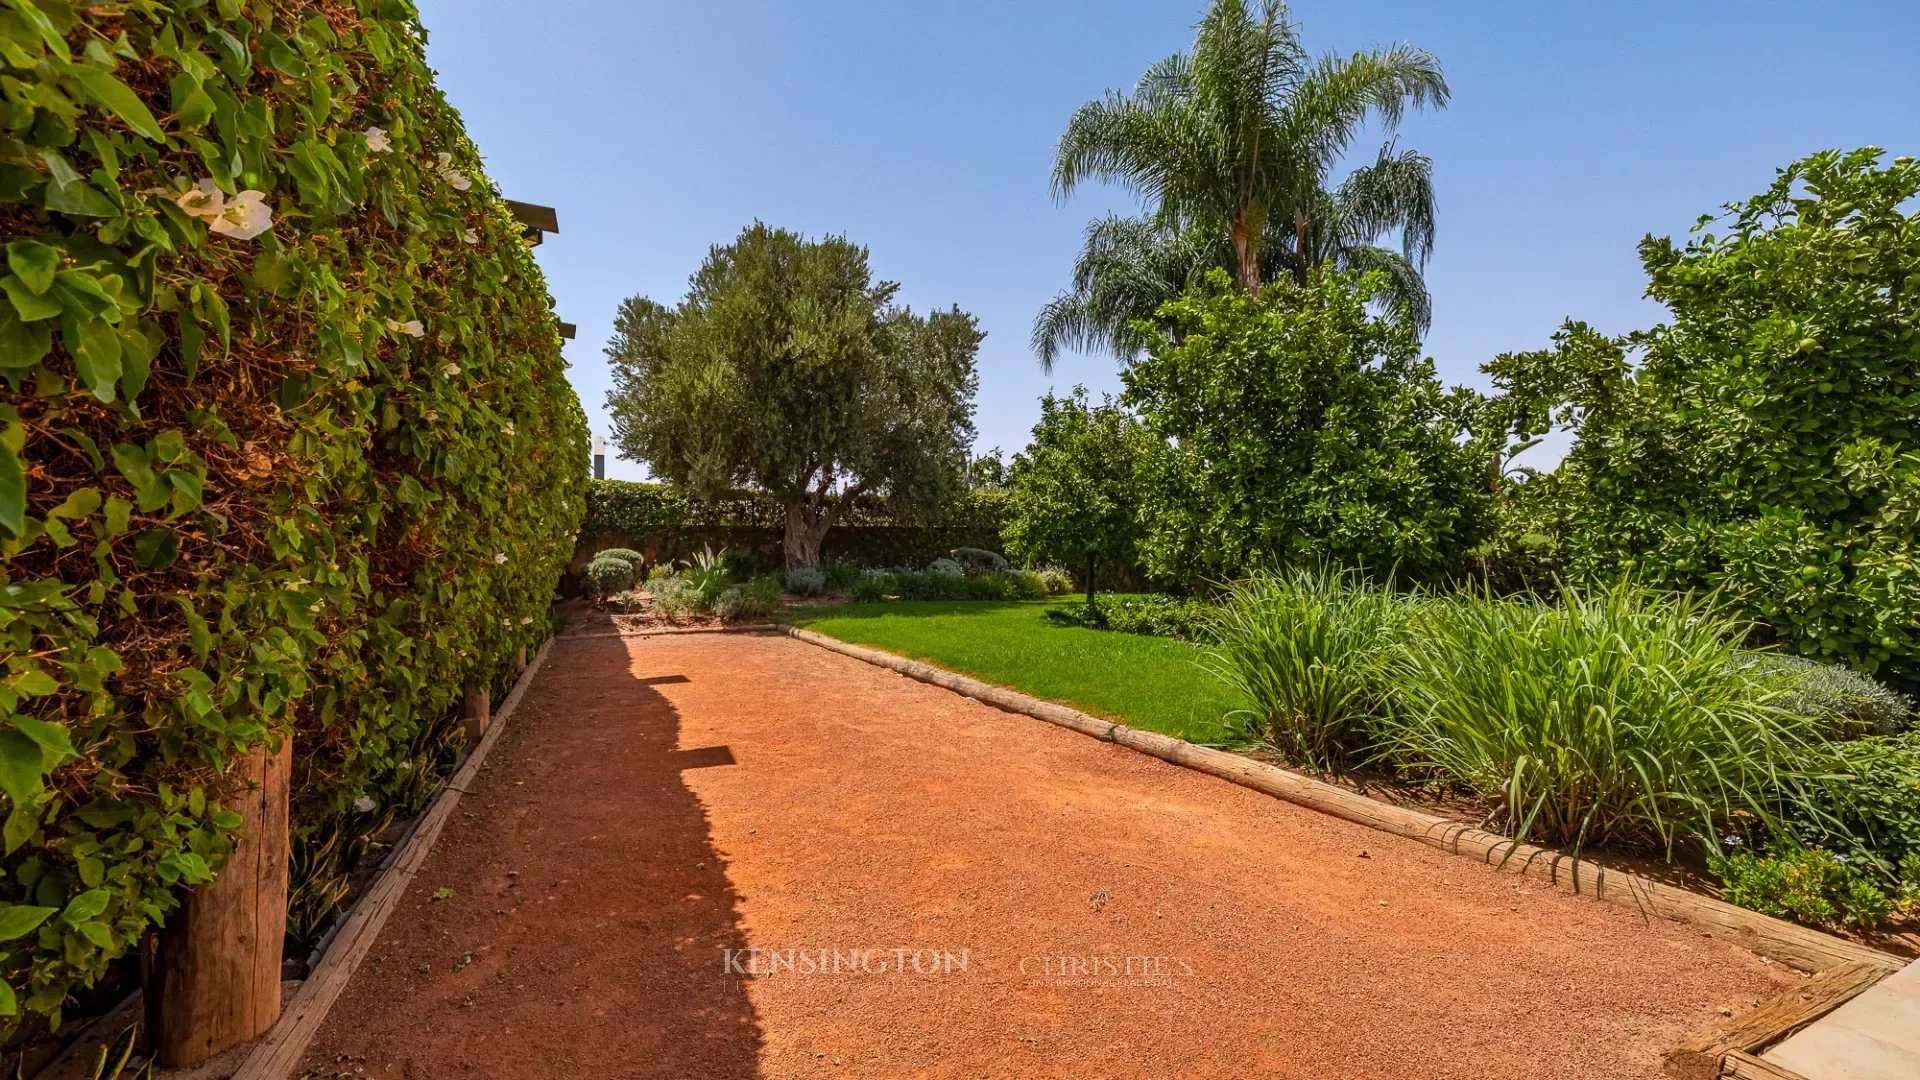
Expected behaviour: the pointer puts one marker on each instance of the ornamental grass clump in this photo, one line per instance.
(1618, 717)
(1305, 648)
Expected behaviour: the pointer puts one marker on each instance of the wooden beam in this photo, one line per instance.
(277, 1056)
(1699, 1058)
(535, 216)
(1744, 1066)
(1799, 946)
(215, 979)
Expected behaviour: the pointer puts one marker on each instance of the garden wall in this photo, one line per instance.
(667, 523)
(287, 450)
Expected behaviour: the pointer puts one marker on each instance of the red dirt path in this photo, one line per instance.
(657, 801)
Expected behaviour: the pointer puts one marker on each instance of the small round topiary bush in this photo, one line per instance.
(608, 576)
(638, 560)
(947, 568)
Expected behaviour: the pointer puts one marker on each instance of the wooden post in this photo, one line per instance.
(215, 979)
(475, 712)
(520, 660)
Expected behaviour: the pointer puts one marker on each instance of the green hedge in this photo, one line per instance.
(669, 522)
(288, 446)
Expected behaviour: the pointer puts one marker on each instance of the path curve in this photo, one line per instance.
(670, 822)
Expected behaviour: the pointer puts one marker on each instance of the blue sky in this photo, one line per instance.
(924, 130)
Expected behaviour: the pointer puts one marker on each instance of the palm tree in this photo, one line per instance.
(1234, 141)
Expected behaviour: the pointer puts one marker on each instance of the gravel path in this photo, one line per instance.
(715, 856)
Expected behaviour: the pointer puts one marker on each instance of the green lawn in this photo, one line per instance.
(1144, 682)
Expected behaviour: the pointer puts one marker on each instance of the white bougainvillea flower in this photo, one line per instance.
(245, 216)
(377, 140)
(205, 201)
(432, 415)
(500, 557)
(450, 174)
(412, 327)
(450, 370)
(527, 621)
(365, 804)
(507, 430)
(473, 236)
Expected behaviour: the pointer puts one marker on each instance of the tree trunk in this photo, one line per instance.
(1300, 243)
(1246, 253)
(806, 528)
(1090, 559)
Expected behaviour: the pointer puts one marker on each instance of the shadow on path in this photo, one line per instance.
(573, 921)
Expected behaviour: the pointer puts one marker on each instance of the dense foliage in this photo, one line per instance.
(786, 368)
(286, 445)
(1074, 496)
(1296, 427)
(673, 522)
(1767, 442)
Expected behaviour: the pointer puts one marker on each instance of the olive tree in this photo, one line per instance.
(787, 368)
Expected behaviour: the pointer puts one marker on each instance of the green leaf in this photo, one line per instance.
(156, 548)
(95, 346)
(34, 262)
(87, 905)
(50, 737)
(18, 920)
(98, 934)
(22, 764)
(31, 306)
(20, 827)
(13, 492)
(116, 97)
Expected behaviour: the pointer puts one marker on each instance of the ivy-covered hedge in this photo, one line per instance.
(286, 443)
(670, 522)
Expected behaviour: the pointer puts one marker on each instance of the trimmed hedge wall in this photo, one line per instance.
(666, 522)
(286, 447)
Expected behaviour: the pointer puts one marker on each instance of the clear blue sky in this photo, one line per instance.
(924, 130)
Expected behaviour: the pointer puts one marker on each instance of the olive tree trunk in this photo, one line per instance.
(806, 527)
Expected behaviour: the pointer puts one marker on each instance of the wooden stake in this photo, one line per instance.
(476, 713)
(215, 979)
(520, 660)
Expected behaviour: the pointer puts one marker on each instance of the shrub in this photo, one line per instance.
(873, 586)
(1852, 703)
(1811, 886)
(806, 581)
(947, 568)
(978, 561)
(1619, 716)
(728, 604)
(1055, 581)
(841, 576)
(637, 560)
(307, 475)
(1152, 616)
(608, 576)
(934, 586)
(676, 597)
(742, 565)
(1866, 807)
(760, 597)
(1306, 648)
(1762, 443)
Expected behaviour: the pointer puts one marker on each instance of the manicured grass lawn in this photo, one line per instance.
(1150, 683)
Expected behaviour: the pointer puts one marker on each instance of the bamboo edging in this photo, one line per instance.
(277, 1055)
(1797, 946)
